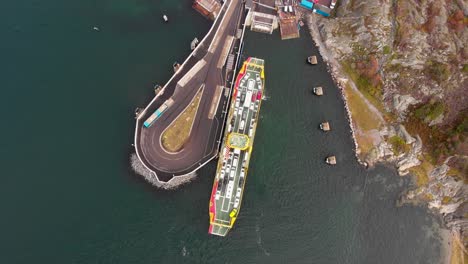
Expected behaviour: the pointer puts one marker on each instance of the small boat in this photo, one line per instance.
(331, 160)
(176, 66)
(165, 18)
(157, 88)
(312, 60)
(318, 90)
(138, 110)
(325, 126)
(194, 44)
(96, 28)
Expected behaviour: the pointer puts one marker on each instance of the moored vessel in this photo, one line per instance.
(176, 66)
(237, 146)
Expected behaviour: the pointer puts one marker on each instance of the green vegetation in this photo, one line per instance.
(437, 71)
(177, 134)
(398, 145)
(420, 173)
(459, 168)
(364, 118)
(367, 80)
(440, 142)
(429, 112)
(465, 68)
(446, 200)
(387, 50)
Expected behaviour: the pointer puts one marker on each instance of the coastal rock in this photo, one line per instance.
(387, 131)
(405, 135)
(446, 196)
(437, 121)
(407, 163)
(421, 52)
(402, 102)
(149, 176)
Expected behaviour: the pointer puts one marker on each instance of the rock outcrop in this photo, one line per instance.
(406, 54)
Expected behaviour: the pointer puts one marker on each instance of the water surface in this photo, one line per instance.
(68, 194)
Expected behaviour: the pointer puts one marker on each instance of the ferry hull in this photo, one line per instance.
(231, 173)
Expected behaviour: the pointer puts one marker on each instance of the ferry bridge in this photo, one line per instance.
(211, 66)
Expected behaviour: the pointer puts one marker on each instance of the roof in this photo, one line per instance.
(322, 10)
(307, 4)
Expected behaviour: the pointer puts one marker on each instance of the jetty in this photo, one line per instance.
(318, 90)
(204, 79)
(287, 20)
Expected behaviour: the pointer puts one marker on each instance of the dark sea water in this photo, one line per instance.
(68, 194)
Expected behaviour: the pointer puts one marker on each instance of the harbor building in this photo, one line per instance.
(208, 8)
(262, 16)
(289, 27)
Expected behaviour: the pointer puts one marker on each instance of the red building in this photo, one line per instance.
(208, 8)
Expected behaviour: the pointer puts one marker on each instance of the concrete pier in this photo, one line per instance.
(206, 66)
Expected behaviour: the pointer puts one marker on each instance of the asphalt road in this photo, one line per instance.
(202, 144)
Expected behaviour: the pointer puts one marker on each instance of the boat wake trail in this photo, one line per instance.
(259, 236)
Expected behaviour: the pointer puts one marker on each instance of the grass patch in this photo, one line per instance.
(364, 118)
(457, 256)
(421, 173)
(373, 93)
(430, 111)
(437, 71)
(365, 144)
(398, 145)
(446, 200)
(440, 142)
(465, 68)
(428, 197)
(387, 50)
(177, 134)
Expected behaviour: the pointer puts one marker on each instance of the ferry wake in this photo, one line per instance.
(228, 186)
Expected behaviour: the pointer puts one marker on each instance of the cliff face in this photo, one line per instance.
(409, 60)
(410, 48)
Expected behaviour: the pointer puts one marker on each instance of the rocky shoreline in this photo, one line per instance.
(149, 176)
(334, 68)
(442, 194)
